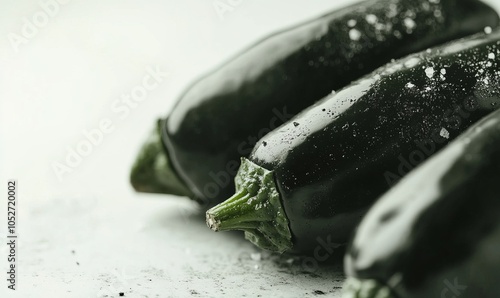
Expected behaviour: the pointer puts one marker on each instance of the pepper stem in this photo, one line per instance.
(152, 171)
(255, 208)
(366, 288)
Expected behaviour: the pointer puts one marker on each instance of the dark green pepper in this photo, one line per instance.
(221, 116)
(328, 164)
(437, 232)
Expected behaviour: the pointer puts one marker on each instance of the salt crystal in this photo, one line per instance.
(256, 256)
(410, 85)
(393, 11)
(491, 55)
(444, 133)
(429, 71)
(443, 71)
(487, 30)
(351, 23)
(371, 18)
(354, 34)
(409, 23)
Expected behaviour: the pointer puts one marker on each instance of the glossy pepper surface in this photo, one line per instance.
(437, 232)
(221, 116)
(333, 160)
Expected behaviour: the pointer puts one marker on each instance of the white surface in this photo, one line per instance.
(65, 79)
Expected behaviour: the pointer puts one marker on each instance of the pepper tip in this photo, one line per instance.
(212, 222)
(152, 171)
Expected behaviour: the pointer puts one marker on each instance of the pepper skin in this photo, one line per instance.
(333, 160)
(436, 233)
(221, 116)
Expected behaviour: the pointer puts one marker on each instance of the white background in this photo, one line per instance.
(64, 79)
